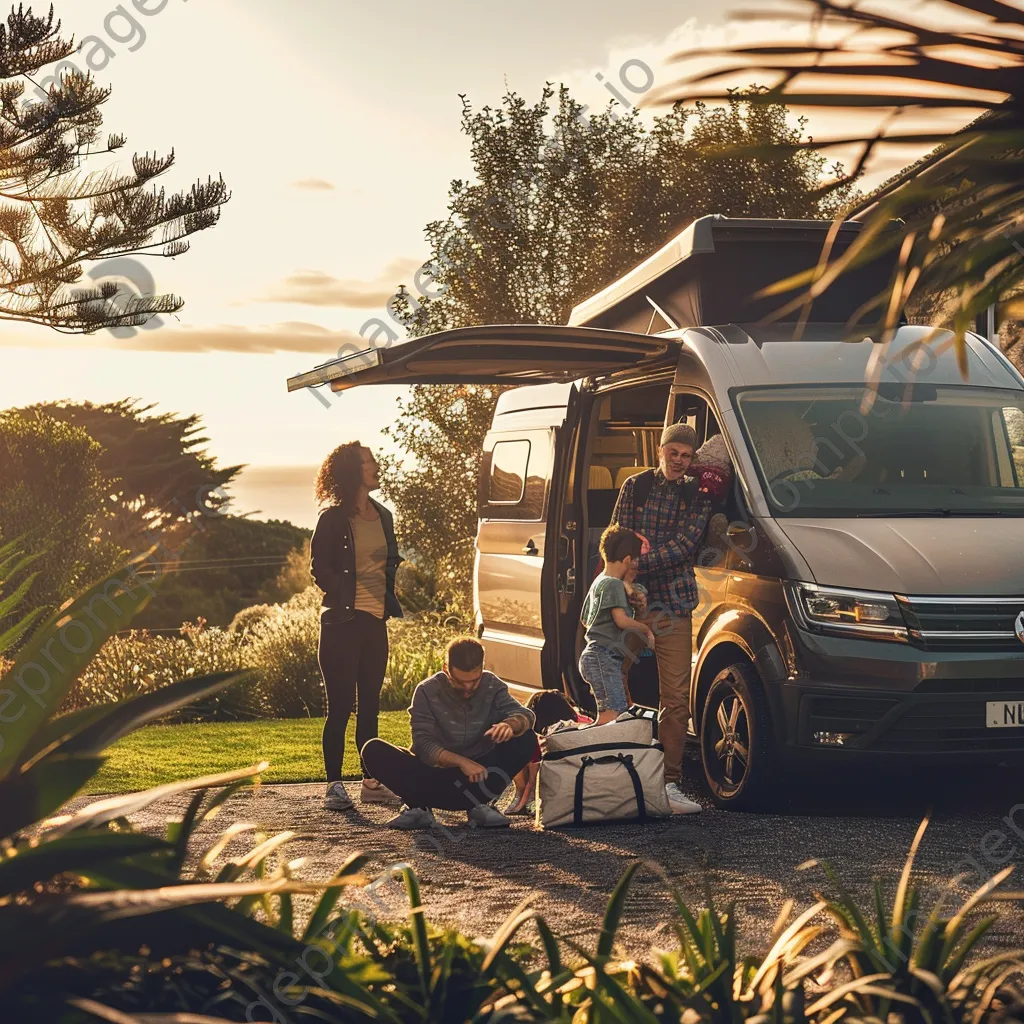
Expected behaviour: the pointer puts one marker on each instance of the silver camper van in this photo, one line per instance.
(875, 614)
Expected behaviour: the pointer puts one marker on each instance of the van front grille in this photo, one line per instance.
(953, 726)
(963, 623)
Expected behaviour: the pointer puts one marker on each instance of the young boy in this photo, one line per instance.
(608, 615)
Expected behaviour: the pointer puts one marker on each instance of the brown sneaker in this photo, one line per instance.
(373, 792)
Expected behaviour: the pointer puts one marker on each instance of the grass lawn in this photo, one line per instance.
(166, 753)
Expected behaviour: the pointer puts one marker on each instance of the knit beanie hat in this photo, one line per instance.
(679, 433)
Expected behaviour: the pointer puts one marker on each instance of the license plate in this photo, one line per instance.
(1004, 714)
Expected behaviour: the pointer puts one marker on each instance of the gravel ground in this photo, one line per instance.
(863, 824)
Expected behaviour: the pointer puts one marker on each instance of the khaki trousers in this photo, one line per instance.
(673, 649)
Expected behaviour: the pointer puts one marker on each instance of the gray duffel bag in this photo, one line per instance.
(601, 773)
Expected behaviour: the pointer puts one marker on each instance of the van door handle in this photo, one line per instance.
(531, 548)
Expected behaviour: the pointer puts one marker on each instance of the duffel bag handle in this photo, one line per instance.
(626, 760)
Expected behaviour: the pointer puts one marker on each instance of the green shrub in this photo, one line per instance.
(416, 647)
(278, 642)
(138, 663)
(249, 617)
(282, 649)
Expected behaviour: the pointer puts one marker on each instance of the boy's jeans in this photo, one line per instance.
(602, 668)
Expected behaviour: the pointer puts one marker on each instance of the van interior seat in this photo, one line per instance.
(626, 472)
(600, 479)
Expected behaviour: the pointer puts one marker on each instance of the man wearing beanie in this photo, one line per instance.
(668, 508)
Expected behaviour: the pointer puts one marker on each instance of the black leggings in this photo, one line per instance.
(353, 658)
(420, 785)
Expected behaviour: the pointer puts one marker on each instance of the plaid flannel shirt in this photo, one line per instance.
(667, 569)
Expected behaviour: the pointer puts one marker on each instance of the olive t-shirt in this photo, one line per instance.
(606, 593)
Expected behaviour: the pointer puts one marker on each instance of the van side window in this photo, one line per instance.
(518, 478)
(508, 472)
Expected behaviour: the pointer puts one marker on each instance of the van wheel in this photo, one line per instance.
(736, 743)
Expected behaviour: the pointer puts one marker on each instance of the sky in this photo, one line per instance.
(336, 126)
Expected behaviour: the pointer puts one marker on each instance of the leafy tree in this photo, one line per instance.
(216, 566)
(52, 496)
(53, 217)
(157, 467)
(962, 202)
(556, 214)
(560, 207)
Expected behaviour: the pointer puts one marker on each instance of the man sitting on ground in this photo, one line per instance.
(470, 738)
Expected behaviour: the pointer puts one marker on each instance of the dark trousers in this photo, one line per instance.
(420, 785)
(353, 658)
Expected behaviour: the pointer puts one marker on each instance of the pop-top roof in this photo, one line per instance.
(711, 273)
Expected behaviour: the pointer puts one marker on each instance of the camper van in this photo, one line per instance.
(871, 614)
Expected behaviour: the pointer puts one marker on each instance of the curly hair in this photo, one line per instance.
(340, 476)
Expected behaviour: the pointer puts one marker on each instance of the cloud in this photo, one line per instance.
(315, 288)
(290, 336)
(315, 185)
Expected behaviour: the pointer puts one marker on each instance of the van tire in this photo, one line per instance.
(737, 698)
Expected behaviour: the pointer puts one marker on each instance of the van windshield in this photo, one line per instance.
(829, 450)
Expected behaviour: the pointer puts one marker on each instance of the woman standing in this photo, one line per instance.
(354, 559)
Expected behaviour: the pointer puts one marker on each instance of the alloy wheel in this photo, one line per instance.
(729, 741)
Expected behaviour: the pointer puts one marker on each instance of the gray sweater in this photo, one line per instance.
(442, 720)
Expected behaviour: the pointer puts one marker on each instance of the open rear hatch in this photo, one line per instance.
(517, 354)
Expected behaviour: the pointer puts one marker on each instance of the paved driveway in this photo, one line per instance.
(862, 824)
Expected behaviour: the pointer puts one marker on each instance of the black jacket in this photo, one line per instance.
(334, 563)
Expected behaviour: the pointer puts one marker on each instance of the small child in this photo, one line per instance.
(608, 616)
(549, 707)
(712, 467)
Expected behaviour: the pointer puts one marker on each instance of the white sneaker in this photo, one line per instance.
(678, 803)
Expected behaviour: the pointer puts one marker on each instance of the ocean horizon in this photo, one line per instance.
(275, 492)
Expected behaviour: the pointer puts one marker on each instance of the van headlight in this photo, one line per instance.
(848, 612)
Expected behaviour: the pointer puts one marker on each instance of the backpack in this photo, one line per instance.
(601, 773)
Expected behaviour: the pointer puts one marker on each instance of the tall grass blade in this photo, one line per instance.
(613, 912)
(421, 944)
(898, 925)
(102, 811)
(321, 914)
(75, 853)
